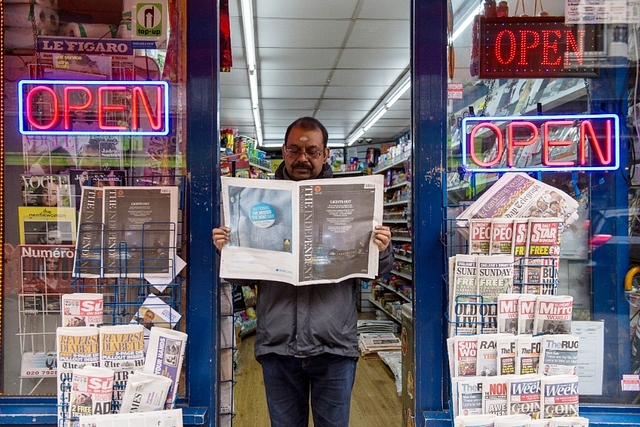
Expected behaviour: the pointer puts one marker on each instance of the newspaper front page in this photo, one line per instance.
(301, 232)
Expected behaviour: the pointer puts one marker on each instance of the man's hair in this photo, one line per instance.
(308, 123)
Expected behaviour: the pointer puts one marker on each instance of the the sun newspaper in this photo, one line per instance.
(76, 347)
(523, 395)
(528, 354)
(519, 247)
(466, 355)
(82, 309)
(121, 350)
(559, 354)
(553, 314)
(91, 391)
(560, 397)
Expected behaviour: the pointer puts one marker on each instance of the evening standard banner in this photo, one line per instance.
(301, 232)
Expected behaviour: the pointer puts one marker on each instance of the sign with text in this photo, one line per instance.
(537, 47)
(78, 107)
(586, 142)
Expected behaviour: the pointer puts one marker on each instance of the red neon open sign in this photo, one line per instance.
(65, 107)
(535, 143)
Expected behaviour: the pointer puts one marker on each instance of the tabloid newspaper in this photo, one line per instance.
(523, 395)
(517, 195)
(466, 354)
(166, 418)
(501, 236)
(469, 395)
(495, 277)
(508, 313)
(370, 342)
(528, 354)
(451, 357)
(568, 422)
(559, 355)
(91, 391)
(479, 236)
(165, 355)
(506, 354)
(494, 395)
(485, 420)
(487, 363)
(145, 392)
(463, 310)
(301, 232)
(543, 255)
(80, 309)
(519, 247)
(560, 397)
(76, 347)
(526, 313)
(122, 351)
(520, 420)
(553, 314)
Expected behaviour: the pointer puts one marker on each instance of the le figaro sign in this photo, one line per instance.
(587, 142)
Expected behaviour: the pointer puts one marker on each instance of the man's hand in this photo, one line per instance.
(220, 236)
(381, 237)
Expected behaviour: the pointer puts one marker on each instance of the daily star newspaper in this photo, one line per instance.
(301, 232)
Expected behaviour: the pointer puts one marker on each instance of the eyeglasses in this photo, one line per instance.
(295, 153)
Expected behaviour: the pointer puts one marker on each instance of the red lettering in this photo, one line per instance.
(512, 140)
(499, 143)
(103, 107)
(547, 143)
(548, 45)
(524, 47)
(139, 93)
(586, 128)
(69, 107)
(36, 93)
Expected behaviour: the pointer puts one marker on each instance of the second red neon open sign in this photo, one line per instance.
(535, 143)
(68, 107)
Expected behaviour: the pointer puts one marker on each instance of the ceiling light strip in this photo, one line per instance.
(250, 54)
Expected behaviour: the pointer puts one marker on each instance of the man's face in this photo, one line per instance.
(54, 237)
(304, 154)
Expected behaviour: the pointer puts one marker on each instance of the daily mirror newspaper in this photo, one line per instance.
(301, 232)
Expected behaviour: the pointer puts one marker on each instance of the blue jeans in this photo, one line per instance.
(290, 380)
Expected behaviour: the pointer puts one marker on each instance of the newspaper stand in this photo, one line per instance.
(125, 293)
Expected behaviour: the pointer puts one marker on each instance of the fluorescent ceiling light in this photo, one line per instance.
(397, 94)
(374, 119)
(465, 24)
(354, 136)
(250, 53)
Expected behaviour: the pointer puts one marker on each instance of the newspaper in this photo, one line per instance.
(155, 312)
(469, 395)
(508, 313)
(165, 355)
(568, 422)
(487, 363)
(519, 248)
(506, 354)
(543, 255)
(526, 313)
(484, 420)
(167, 418)
(501, 236)
(527, 354)
(517, 195)
(465, 349)
(91, 391)
(76, 347)
(523, 395)
(495, 277)
(559, 355)
(560, 397)
(80, 309)
(122, 350)
(463, 305)
(145, 392)
(520, 420)
(494, 395)
(370, 342)
(479, 236)
(301, 232)
(553, 314)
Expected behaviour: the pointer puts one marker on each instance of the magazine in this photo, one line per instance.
(479, 236)
(145, 392)
(45, 225)
(82, 309)
(517, 195)
(560, 397)
(166, 418)
(543, 255)
(469, 395)
(79, 178)
(508, 313)
(155, 312)
(122, 351)
(465, 349)
(165, 355)
(526, 313)
(523, 395)
(48, 154)
(99, 152)
(76, 347)
(46, 190)
(559, 355)
(46, 270)
(463, 309)
(495, 277)
(91, 391)
(494, 395)
(527, 354)
(553, 314)
(501, 236)
(301, 232)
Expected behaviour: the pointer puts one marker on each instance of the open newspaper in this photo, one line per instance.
(301, 232)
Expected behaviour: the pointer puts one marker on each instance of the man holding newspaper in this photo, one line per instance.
(306, 335)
